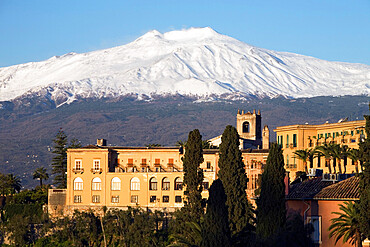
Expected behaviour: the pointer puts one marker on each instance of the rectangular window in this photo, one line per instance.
(166, 199)
(78, 165)
(115, 199)
(77, 199)
(170, 161)
(178, 199)
(157, 162)
(294, 140)
(153, 199)
(96, 165)
(315, 221)
(130, 162)
(281, 141)
(287, 141)
(96, 199)
(134, 199)
(208, 165)
(352, 133)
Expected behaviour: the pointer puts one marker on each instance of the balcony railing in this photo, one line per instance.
(96, 170)
(77, 170)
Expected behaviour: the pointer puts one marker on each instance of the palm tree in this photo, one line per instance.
(326, 151)
(345, 152)
(40, 173)
(304, 156)
(354, 155)
(180, 143)
(336, 152)
(192, 237)
(14, 183)
(346, 225)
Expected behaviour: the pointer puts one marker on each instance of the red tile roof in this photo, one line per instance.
(346, 189)
(307, 189)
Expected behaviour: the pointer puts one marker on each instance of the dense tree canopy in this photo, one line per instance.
(59, 161)
(271, 211)
(364, 204)
(215, 229)
(234, 179)
(193, 175)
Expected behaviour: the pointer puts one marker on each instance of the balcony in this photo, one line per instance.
(78, 170)
(96, 170)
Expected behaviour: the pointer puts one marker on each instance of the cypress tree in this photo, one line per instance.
(59, 161)
(235, 181)
(193, 176)
(364, 204)
(215, 229)
(271, 211)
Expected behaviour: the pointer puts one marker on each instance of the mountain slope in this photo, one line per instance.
(197, 61)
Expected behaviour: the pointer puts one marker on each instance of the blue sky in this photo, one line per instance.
(39, 29)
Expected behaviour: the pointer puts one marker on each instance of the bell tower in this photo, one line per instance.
(248, 125)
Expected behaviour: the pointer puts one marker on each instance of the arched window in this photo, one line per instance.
(116, 183)
(205, 184)
(246, 127)
(166, 184)
(178, 183)
(153, 184)
(135, 183)
(96, 184)
(78, 184)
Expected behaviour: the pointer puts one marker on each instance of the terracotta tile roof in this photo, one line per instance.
(307, 189)
(346, 189)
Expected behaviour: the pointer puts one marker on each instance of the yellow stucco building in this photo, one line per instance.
(118, 177)
(299, 137)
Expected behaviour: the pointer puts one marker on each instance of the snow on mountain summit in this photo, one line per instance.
(195, 61)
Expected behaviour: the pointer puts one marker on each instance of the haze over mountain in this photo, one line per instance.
(196, 61)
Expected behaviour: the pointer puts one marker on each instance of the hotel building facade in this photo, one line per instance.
(300, 137)
(119, 177)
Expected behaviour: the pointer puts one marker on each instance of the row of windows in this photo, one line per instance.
(134, 199)
(135, 184)
(95, 167)
(281, 141)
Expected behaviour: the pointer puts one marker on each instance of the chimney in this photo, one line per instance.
(101, 142)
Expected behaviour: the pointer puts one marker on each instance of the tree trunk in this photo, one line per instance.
(305, 166)
(358, 238)
(339, 166)
(328, 164)
(356, 166)
(40, 182)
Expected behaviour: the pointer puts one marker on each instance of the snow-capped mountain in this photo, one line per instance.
(196, 61)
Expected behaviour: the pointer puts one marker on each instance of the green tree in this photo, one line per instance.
(75, 143)
(193, 176)
(234, 179)
(303, 155)
(215, 228)
(347, 224)
(271, 211)
(59, 161)
(354, 155)
(14, 183)
(336, 151)
(190, 238)
(364, 183)
(41, 174)
(325, 150)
